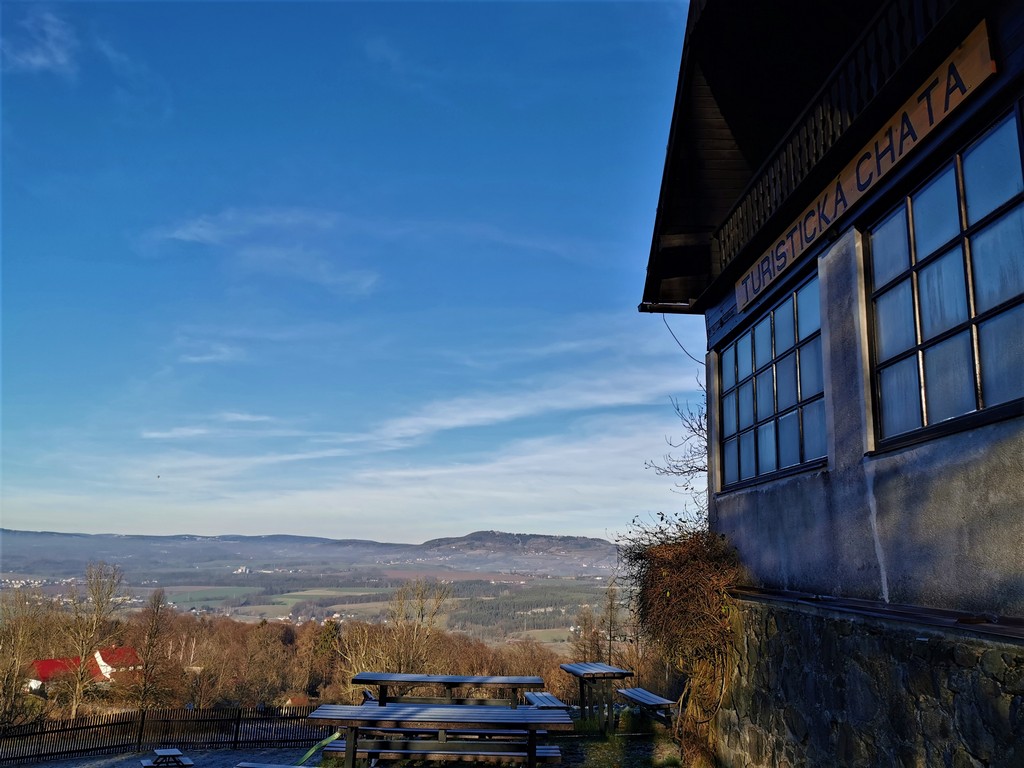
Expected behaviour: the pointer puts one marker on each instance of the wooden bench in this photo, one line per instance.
(654, 705)
(545, 700)
(477, 750)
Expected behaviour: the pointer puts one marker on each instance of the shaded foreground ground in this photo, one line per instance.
(636, 751)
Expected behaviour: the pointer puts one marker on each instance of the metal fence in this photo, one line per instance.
(143, 730)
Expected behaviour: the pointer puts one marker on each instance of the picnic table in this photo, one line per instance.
(595, 679)
(384, 680)
(166, 757)
(396, 731)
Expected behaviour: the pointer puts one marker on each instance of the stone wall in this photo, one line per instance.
(813, 687)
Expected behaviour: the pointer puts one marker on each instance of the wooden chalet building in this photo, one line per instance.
(843, 202)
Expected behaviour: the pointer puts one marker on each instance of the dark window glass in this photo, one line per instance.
(901, 398)
(789, 439)
(763, 342)
(894, 329)
(729, 414)
(943, 294)
(766, 448)
(729, 368)
(1002, 357)
(811, 382)
(814, 430)
(992, 172)
(747, 467)
(784, 328)
(785, 381)
(765, 395)
(949, 378)
(936, 218)
(808, 310)
(948, 322)
(890, 248)
(746, 404)
(743, 359)
(775, 375)
(731, 469)
(998, 257)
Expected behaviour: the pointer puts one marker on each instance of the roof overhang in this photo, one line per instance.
(748, 70)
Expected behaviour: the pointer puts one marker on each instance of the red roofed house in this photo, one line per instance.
(104, 667)
(113, 661)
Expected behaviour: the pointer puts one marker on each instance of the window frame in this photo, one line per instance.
(795, 349)
(962, 244)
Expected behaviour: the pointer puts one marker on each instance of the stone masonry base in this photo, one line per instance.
(814, 687)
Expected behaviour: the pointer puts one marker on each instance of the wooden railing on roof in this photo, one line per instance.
(898, 30)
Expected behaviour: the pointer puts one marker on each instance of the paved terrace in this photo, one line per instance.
(213, 758)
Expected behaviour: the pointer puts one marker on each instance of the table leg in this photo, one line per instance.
(531, 748)
(515, 697)
(383, 699)
(609, 719)
(352, 736)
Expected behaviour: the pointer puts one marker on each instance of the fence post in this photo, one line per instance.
(238, 726)
(142, 729)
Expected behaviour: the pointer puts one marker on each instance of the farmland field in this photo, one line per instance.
(187, 598)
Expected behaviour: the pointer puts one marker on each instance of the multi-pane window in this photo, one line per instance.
(947, 289)
(773, 410)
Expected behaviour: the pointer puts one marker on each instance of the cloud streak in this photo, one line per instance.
(45, 42)
(589, 480)
(282, 242)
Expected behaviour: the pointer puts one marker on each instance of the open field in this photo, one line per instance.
(187, 598)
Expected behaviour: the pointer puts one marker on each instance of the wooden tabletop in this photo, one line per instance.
(449, 681)
(442, 717)
(595, 670)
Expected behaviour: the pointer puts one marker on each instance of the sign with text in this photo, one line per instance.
(958, 76)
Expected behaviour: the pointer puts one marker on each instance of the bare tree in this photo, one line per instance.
(155, 683)
(414, 615)
(687, 460)
(588, 641)
(25, 617)
(89, 625)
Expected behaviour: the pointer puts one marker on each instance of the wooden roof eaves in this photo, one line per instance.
(692, 95)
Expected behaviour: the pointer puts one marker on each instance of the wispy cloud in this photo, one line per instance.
(299, 263)
(175, 433)
(575, 393)
(273, 242)
(408, 74)
(42, 42)
(202, 351)
(234, 225)
(248, 418)
(138, 92)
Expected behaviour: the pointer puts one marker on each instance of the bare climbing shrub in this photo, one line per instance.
(680, 575)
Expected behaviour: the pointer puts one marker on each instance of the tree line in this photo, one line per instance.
(206, 661)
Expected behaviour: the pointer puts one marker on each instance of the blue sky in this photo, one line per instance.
(354, 270)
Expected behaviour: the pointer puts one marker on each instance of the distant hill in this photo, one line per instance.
(57, 555)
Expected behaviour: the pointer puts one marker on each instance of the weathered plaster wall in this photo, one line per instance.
(812, 688)
(937, 524)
